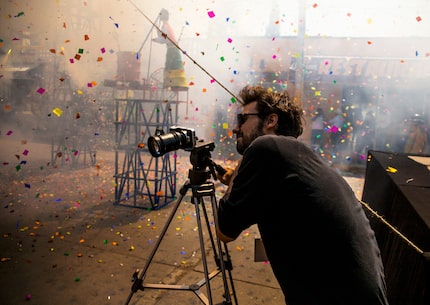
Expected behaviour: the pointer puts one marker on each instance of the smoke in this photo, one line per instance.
(367, 61)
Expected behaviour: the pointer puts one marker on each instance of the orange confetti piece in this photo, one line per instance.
(52, 51)
(369, 42)
(86, 37)
(419, 19)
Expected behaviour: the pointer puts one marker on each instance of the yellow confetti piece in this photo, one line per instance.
(391, 169)
(57, 111)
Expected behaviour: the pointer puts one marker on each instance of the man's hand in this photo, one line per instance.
(225, 179)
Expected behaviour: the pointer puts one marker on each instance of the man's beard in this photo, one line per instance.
(242, 145)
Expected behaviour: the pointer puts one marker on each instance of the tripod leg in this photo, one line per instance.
(222, 262)
(197, 202)
(138, 278)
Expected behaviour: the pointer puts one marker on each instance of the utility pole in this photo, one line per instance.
(299, 75)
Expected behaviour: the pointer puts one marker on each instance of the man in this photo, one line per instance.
(316, 235)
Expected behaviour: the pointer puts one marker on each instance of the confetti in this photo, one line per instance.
(391, 169)
(211, 14)
(57, 111)
(41, 90)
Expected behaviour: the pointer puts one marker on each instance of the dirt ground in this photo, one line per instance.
(64, 241)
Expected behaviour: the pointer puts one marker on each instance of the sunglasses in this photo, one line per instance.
(242, 117)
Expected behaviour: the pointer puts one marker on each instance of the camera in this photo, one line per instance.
(177, 138)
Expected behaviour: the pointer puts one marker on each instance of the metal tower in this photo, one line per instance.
(141, 111)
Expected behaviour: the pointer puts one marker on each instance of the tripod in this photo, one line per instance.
(201, 187)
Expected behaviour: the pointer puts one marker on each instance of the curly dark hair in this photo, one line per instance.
(290, 114)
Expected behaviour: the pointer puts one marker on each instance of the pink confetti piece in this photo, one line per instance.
(229, 40)
(41, 90)
(211, 14)
(25, 152)
(9, 133)
(103, 50)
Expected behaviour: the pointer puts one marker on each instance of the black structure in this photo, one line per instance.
(398, 189)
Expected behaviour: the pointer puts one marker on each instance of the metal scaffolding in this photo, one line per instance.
(143, 181)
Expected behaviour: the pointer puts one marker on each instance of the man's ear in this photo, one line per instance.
(271, 121)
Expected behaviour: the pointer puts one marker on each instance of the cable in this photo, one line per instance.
(164, 35)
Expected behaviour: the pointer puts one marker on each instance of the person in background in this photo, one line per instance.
(316, 235)
(174, 74)
(416, 140)
(336, 130)
(317, 133)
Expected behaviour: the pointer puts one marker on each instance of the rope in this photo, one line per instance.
(180, 49)
(409, 242)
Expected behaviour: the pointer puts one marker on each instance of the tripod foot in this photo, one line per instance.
(137, 282)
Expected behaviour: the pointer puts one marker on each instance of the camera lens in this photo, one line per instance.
(154, 147)
(159, 145)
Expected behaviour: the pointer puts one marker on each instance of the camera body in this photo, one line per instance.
(177, 138)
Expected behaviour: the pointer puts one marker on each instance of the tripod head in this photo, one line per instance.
(203, 165)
